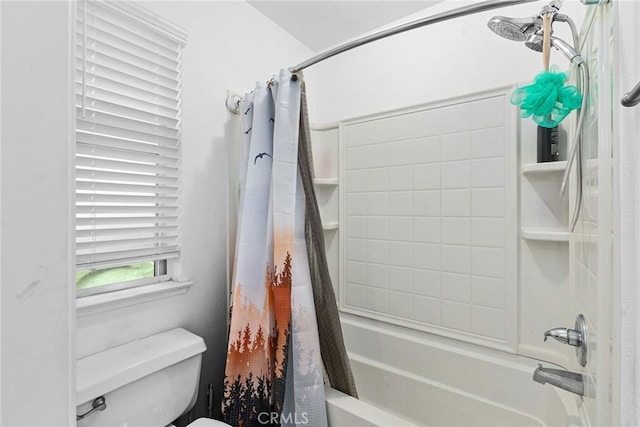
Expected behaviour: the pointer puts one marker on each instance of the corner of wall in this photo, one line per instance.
(36, 201)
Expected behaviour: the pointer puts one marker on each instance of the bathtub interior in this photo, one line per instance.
(433, 382)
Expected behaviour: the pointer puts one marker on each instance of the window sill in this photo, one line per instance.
(94, 304)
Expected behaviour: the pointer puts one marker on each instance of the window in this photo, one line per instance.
(128, 99)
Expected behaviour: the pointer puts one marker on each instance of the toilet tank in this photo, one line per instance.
(148, 382)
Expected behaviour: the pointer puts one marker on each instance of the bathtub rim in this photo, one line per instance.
(339, 401)
(571, 409)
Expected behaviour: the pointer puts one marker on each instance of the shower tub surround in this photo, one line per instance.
(436, 315)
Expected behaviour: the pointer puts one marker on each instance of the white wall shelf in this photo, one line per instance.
(545, 235)
(332, 225)
(543, 246)
(546, 167)
(331, 182)
(326, 164)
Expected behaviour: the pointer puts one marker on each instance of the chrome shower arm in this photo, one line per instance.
(551, 9)
(559, 17)
(556, 4)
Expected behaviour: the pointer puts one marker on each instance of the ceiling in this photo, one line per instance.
(323, 24)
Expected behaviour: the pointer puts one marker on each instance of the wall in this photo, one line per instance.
(0, 211)
(230, 45)
(38, 385)
(440, 61)
(626, 180)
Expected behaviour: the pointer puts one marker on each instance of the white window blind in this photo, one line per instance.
(128, 91)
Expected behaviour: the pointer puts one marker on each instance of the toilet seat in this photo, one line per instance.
(206, 422)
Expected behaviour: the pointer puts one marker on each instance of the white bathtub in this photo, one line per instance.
(346, 411)
(408, 379)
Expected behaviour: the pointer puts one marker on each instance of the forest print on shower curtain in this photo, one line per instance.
(273, 374)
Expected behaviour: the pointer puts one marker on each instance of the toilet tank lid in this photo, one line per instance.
(108, 370)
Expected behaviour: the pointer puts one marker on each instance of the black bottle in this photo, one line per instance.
(548, 144)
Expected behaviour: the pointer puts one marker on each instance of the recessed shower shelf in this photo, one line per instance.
(545, 235)
(546, 167)
(332, 225)
(331, 182)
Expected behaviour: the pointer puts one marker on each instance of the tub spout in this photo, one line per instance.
(566, 380)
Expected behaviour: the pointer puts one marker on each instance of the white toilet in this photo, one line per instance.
(149, 382)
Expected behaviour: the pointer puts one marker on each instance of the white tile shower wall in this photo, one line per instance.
(425, 211)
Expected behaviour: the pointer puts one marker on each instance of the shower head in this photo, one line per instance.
(534, 42)
(519, 29)
(516, 29)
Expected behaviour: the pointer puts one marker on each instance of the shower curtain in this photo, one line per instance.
(274, 370)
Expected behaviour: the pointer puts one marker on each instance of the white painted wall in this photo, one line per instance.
(626, 298)
(0, 211)
(440, 61)
(230, 45)
(38, 384)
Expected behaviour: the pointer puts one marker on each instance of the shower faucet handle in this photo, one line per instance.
(566, 336)
(577, 338)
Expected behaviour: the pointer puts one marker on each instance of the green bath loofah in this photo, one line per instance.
(547, 100)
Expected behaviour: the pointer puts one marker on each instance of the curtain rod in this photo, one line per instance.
(233, 101)
(443, 16)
